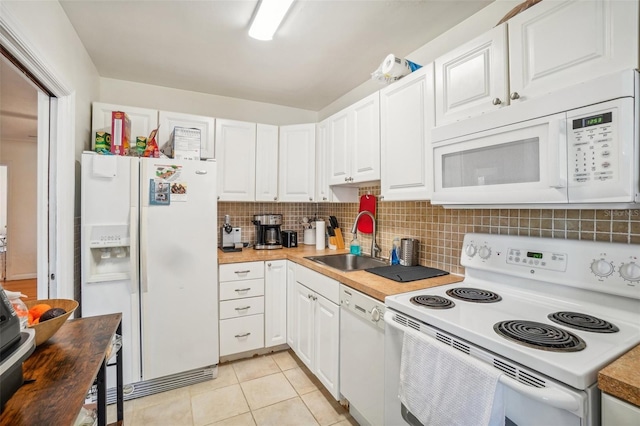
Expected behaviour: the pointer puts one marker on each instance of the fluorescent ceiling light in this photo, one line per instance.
(268, 18)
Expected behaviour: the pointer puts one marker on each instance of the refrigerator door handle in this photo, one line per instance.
(133, 249)
(144, 283)
(201, 172)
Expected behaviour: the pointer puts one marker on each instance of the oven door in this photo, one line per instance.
(522, 163)
(525, 405)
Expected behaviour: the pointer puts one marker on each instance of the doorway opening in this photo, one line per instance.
(22, 146)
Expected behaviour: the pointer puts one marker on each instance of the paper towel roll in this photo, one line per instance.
(393, 66)
(320, 231)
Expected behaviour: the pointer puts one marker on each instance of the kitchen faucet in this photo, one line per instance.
(375, 249)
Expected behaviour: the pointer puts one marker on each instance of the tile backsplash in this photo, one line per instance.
(441, 231)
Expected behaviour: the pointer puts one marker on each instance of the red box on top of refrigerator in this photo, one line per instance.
(120, 133)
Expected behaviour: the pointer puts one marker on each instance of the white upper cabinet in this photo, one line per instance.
(324, 192)
(353, 136)
(236, 157)
(406, 119)
(297, 171)
(472, 79)
(557, 44)
(266, 163)
(143, 120)
(169, 120)
(550, 46)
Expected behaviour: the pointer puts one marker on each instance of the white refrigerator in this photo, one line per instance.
(149, 250)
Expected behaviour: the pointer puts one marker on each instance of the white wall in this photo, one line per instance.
(482, 21)
(20, 158)
(129, 93)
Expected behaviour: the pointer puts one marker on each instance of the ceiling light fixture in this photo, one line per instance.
(268, 18)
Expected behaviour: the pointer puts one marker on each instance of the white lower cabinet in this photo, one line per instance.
(317, 326)
(241, 307)
(275, 300)
(292, 325)
(618, 412)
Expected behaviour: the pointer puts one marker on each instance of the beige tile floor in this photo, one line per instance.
(275, 389)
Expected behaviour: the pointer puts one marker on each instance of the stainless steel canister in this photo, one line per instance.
(409, 251)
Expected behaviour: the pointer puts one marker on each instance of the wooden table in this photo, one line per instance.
(60, 372)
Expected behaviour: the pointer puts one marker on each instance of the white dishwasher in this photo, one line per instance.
(362, 355)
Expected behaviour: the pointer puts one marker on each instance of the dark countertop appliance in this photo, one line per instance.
(15, 347)
(268, 233)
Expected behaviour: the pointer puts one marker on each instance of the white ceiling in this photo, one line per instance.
(323, 49)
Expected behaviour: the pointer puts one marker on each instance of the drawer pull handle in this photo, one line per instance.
(240, 290)
(244, 308)
(242, 335)
(243, 272)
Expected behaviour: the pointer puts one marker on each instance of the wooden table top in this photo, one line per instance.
(63, 369)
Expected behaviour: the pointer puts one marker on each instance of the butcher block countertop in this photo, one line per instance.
(622, 377)
(366, 282)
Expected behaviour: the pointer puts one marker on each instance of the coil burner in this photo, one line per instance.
(540, 336)
(431, 301)
(474, 295)
(583, 322)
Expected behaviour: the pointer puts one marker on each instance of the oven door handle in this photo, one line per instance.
(553, 396)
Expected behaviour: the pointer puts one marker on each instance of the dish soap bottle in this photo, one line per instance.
(395, 252)
(354, 248)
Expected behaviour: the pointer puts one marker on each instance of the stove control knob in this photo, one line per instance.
(470, 250)
(601, 268)
(375, 314)
(484, 252)
(630, 272)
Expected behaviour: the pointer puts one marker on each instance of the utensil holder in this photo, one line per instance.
(409, 251)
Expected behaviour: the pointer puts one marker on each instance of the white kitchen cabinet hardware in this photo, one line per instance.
(169, 120)
(236, 157)
(353, 137)
(406, 119)
(266, 162)
(472, 78)
(143, 120)
(314, 324)
(275, 299)
(297, 168)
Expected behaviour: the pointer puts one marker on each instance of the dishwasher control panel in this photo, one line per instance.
(362, 305)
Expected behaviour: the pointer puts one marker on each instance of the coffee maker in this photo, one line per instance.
(230, 237)
(268, 234)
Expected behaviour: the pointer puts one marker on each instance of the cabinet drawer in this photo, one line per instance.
(241, 307)
(321, 284)
(241, 271)
(241, 289)
(241, 334)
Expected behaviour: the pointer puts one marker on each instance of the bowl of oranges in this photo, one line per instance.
(46, 316)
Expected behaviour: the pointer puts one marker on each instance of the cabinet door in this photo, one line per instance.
(297, 162)
(143, 120)
(472, 79)
(275, 300)
(365, 142)
(206, 125)
(303, 305)
(326, 345)
(292, 318)
(266, 163)
(406, 119)
(338, 143)
(323, 190)
(236, 151)
(562, 43)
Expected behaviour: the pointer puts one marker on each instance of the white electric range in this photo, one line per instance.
(549, 313)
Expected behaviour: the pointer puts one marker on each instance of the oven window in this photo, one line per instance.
(511, 162)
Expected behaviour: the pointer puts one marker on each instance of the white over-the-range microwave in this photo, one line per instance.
(575, 148)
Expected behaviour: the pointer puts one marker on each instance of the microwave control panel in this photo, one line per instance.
(592, 144)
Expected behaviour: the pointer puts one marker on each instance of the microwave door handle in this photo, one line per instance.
(557, 153)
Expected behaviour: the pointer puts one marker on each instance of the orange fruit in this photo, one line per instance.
(30, 318)
(39, 309)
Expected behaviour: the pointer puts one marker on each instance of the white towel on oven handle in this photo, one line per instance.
(442, 386)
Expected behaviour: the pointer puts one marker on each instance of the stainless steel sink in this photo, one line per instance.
(348, 262)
